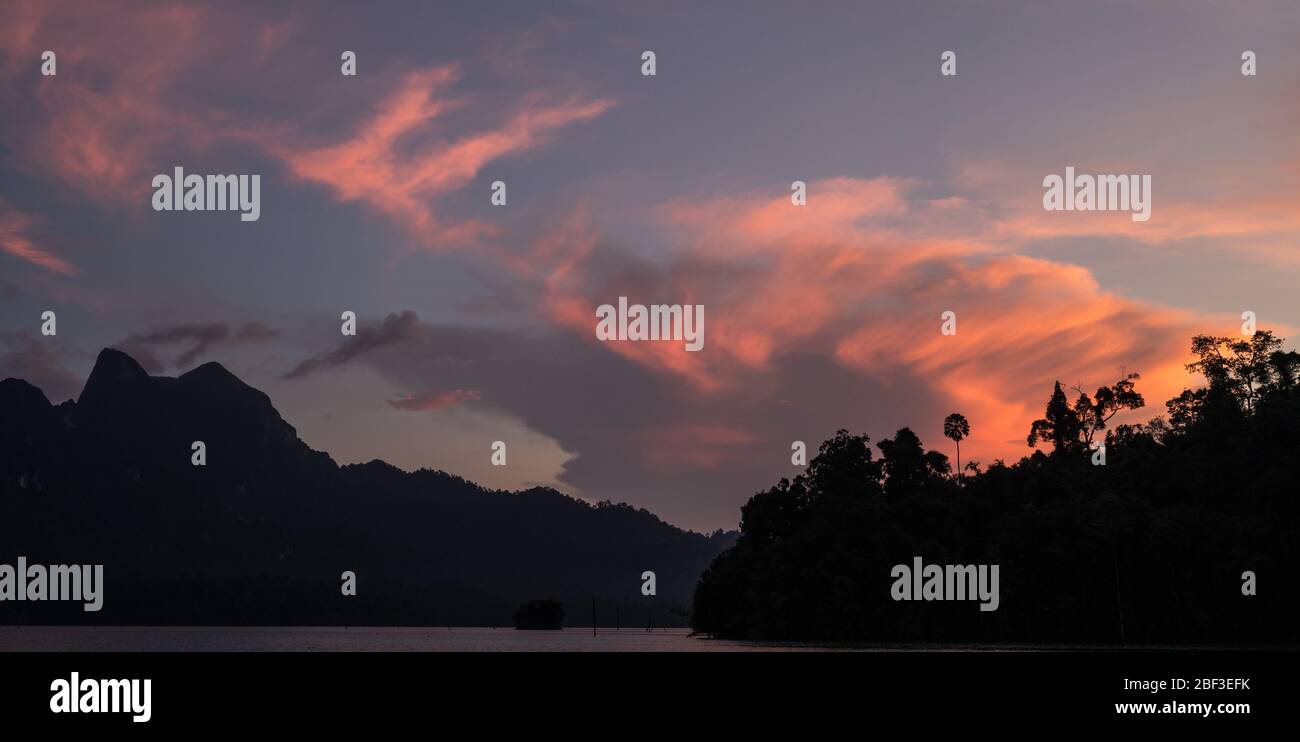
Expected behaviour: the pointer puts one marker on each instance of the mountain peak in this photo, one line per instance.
(210, 373)
(17, 395)
(113, 368)
(119, 364)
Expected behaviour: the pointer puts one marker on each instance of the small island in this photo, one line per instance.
(540, 615)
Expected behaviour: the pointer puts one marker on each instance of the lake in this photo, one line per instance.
(361, 639)
(457, 639)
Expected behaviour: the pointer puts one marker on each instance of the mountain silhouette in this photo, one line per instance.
(262, 533)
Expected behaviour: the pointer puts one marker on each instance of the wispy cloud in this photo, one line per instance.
(861, 275)
(380, 167)
(430, 401)
(17, 240)
(39, 361)
(197, 338)
(396, 329)
(99, 125)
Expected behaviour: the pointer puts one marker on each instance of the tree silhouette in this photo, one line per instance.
(908, 467)
(1149, 549)
(1094, 412)
(1073, 428)
(956, 427)
(1243, 367)
(844, 463)
(1059, 424)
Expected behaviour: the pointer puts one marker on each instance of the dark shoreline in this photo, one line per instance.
(76, 638)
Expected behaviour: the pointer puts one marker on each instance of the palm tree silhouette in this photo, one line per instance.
(956, 427)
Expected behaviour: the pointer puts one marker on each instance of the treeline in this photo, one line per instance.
(1149, 548)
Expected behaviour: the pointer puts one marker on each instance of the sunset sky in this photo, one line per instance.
(477, 322)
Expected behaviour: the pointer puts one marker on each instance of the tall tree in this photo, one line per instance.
(908, 467)
(1243, 366)
(1072, 428)
(956, 427)
(1059, 423)
(1094, 412)
(843, 466)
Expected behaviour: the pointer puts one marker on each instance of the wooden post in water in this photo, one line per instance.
(593, 616)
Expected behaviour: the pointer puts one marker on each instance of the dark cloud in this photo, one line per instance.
(639, 435)
(396, 329)
(38, 361)
(199, 337)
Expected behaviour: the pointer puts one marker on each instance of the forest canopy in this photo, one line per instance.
(1150, 548)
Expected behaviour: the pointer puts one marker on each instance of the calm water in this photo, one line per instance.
(463, 639)
(360, 639)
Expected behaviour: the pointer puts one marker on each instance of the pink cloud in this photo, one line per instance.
(142, 88)
(1251, 213)
(437, 400)
(373, 167)
(695, 446)
(98, 125)
(15, 239)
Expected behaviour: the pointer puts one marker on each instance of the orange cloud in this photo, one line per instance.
(862, 275)
(1023, 324)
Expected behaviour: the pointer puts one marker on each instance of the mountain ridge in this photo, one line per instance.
(108, 478)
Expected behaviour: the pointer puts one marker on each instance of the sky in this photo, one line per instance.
(476, 322)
